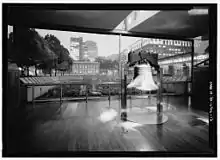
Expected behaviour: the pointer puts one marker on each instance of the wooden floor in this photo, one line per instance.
(96, 127)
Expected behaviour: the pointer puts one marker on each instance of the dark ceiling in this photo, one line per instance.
(170, 23)
(175, 23)
(99, 19)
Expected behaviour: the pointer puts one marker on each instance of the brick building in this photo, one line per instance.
(80, 67)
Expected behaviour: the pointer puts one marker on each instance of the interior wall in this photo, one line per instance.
(200, 98)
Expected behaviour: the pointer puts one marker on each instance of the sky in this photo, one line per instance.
(107, 44)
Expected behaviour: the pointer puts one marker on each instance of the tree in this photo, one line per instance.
(27, 48)
(63, 61)
(106, 63)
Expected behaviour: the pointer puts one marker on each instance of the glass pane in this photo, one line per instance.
(174, 58)
(85, 64)
(100, 87)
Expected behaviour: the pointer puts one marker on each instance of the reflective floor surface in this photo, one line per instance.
(96, 126)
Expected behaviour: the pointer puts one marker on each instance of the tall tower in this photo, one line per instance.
(90, 49)
(76, 48)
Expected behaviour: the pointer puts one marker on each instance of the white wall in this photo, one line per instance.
(38, 91)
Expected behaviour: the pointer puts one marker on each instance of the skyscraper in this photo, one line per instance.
(90, 50)
(76, 47)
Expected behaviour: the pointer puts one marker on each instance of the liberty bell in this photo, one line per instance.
(143, 79)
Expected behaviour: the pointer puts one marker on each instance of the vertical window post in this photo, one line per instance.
(159, 96)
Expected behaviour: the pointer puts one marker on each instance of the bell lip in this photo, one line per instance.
(143, 65)
(146, 89)
(143, 89)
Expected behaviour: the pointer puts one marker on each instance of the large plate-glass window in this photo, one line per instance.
(174, 57)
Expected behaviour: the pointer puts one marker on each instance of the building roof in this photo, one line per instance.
(50, 81)
(84, 62)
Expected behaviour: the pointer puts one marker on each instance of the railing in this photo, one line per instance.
(203, 62)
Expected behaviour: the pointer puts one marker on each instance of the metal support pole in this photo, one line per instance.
(192, 62)
(189, 89)
(125, 91)
(123, 85)
(124, 99)
(191, 84)
(33, 96)
(86, 107)
(120, 69)
(167, 98)
(131, 98)
(159, 93)
(149, 98)
(109, 96)
(61, 93)
(86, 94)
(189, 103)
(120, 73)
(19, 90)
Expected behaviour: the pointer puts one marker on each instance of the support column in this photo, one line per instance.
(159, 94)
(149, 98)
(86, 94)
(192, 62)
(124, 99)
(61, 93)
(131, 98)
(33, 103)
(109, 95)
(125, 91)
(167, 97)
(190, 95)
(123, 86)
(120, 76)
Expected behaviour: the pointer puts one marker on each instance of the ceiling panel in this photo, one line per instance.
(177, 23)
(103, 19)
(165, 23)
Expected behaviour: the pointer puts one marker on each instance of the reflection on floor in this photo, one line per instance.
(96, 126)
